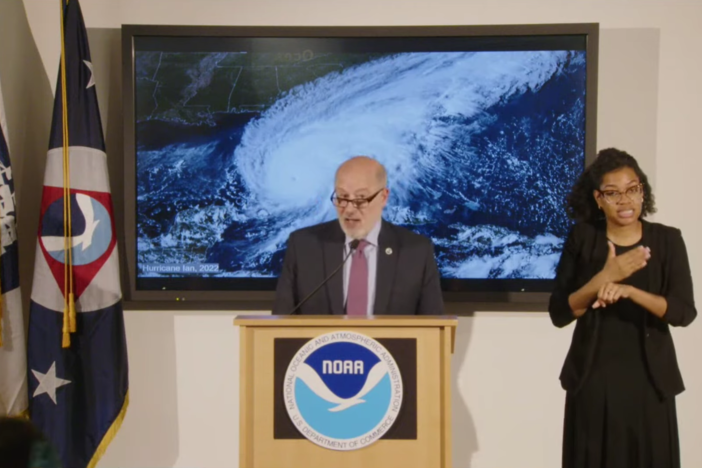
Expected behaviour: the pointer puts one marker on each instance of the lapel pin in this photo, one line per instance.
(388, 251)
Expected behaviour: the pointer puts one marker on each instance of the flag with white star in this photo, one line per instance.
(77, 354)
(13, 354)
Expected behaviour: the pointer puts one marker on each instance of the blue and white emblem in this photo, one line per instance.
(343, 390)
(92, 229)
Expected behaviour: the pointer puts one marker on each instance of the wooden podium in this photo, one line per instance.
(420, 435)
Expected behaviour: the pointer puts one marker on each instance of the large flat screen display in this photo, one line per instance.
(234, 135)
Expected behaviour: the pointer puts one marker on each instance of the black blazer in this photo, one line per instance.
(407, 280)
(584, 255)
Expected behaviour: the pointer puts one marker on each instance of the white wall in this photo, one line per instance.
(507, 401)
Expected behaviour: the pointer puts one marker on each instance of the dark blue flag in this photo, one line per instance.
(13, 354)
(77, 353)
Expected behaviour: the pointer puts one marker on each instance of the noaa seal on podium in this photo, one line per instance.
(343, 390)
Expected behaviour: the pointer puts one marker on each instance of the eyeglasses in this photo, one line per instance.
(634, 194)
(358, 203)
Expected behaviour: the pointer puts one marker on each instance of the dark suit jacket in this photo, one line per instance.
(407, 280)
(584, 255)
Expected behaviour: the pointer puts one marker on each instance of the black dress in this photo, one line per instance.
(618, 419)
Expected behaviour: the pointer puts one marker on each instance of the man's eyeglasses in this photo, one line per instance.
(358, 203)
(634, 194)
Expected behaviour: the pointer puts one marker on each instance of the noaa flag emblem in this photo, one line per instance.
(343, 390)
(93, 238)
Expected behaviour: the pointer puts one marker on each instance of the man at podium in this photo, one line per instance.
(359, 264)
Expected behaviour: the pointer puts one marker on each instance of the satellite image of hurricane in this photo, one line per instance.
(235, 150)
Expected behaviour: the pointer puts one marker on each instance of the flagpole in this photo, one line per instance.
(69, 317)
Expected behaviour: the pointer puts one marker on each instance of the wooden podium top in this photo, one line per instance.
(346, 320)
(350, 321)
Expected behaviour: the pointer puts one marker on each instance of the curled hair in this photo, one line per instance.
(581, 205)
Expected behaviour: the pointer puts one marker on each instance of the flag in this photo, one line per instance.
(13, 353)
(77, 354)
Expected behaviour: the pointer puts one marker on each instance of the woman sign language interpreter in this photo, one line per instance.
(624, 281)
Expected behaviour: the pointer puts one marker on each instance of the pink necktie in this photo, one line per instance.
(357, 300)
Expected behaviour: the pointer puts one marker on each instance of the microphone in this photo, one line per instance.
(353, 246)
